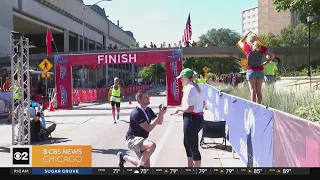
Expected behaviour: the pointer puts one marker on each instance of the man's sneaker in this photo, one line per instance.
(121, 161)
(118, 116)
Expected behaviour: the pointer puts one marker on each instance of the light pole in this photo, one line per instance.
(309, 20)
(83, 23)
(83, 39)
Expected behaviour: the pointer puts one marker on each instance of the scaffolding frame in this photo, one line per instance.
(20, 87)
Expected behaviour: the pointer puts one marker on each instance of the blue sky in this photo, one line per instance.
(164, 20)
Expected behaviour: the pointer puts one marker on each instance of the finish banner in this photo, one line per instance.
(63, 64)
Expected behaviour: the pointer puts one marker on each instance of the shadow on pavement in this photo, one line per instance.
(5, 122)
(102, 108)
(109, 108)
(81, 115)
(217, 146)
(125, 121)
(4, 149)
(110, 151)
(53, 141)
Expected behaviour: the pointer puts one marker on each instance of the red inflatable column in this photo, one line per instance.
(64, 90)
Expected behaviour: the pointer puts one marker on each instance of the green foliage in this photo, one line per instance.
(270, 40)
(215, 37)
(153, 71)
(219, 37)
(309, 112)
(302, 8)
(290, 37)
(303, 104)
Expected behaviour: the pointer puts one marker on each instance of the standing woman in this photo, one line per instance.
(255, 67)
(193, 122)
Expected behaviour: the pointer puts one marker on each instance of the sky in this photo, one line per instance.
(164, 20)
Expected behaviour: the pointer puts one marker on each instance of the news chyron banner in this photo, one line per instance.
(50, 156)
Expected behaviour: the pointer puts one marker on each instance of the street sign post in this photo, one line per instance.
(45, 65)
(205, 69)
(244, 62)
(45, 75)
(205, 74)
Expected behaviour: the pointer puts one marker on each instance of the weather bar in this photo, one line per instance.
(159, 171)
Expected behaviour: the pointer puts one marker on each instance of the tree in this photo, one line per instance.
(270, 40)
(215, 37)
(219, 37)
(290, 37)
(152, 72)
(302, 8)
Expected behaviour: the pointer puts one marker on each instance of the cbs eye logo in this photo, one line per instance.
(20, 156)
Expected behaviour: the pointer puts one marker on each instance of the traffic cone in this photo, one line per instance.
(51, 108)
(130, 101)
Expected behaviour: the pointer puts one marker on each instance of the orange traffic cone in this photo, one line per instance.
(130, 101)
(51, 109)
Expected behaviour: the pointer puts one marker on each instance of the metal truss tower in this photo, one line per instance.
(20, 87)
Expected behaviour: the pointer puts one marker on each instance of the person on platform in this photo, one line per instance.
(142, 121)
(255, 67)
(114, 97)
(193, 121)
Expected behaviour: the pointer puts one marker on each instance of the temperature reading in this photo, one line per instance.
(202, 171)
(257, 171)
(173, 171)
(116, 171)
(229, 171)
(286, 171)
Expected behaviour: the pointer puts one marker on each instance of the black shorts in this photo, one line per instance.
(113, 103)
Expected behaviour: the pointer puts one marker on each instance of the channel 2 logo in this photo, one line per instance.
(21, 156)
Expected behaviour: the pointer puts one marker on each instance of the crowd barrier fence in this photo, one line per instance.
(84, 95)
(262, 136)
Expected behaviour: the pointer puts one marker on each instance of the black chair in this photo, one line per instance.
(214, 129)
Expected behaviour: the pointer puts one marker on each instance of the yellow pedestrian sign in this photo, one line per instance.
(45, 75)
(45, 65)
(244, 62)
(205, 69)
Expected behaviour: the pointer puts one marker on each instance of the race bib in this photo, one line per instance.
(113, 98)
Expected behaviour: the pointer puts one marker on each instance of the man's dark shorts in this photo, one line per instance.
(113, 103)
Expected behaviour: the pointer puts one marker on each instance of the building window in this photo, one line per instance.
(253, 29)
(244, 18)
(253, 22)
(253, 16)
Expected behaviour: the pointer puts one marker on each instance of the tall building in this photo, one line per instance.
(250, 20)
(271, 21)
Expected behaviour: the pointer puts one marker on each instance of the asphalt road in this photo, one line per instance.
(92, 124)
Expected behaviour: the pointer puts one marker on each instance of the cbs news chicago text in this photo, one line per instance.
(77, 160)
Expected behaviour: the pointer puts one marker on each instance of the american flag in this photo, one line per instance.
(187, 31)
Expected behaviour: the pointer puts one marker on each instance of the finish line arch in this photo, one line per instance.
(63, 70)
